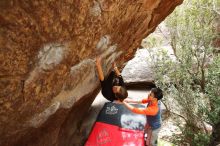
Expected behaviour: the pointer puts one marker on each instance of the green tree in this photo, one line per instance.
(213, 93)
(193, 79)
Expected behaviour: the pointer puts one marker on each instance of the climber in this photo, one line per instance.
(113, 86)
(152, 112)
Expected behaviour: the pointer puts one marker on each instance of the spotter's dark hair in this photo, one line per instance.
(157, 92)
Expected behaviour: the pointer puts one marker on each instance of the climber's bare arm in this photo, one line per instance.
(99, 68)
(116, 69)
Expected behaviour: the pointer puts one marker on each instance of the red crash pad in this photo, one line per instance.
(117, 126)
(110, 135)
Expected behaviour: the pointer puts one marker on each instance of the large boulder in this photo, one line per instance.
(47, 71)
(139, 71)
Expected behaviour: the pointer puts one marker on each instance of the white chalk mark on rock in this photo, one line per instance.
(39, 119)
(103, 43)
(85, 73)
(96, 9)
(51, 55)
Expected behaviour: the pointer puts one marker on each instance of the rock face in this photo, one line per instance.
(47, 71)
